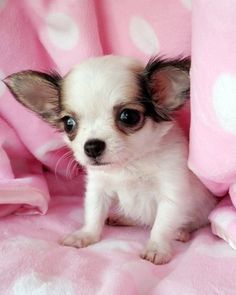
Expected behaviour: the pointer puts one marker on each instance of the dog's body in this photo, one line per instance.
(137, 189)
(117, 116)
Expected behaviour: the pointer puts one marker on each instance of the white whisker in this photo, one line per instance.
(63, 157)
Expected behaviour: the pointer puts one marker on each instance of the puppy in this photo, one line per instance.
(119, 120)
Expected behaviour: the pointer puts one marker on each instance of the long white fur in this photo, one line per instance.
(148, 175)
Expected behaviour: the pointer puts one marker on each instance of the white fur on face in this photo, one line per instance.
(92, 91)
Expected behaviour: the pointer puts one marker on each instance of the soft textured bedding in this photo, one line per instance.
(32, 261)
(41, 187)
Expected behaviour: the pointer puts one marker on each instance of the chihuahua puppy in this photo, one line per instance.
(119, 118)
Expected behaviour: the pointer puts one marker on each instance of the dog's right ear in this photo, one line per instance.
(38, 91)
(168, 84)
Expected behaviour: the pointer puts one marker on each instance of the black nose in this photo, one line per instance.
(94, 148)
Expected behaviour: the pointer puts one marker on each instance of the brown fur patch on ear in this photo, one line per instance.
(38, 91)
(168, 83)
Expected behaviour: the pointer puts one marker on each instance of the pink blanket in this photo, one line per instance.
(213, 107)
(33, 263)
(35, 165)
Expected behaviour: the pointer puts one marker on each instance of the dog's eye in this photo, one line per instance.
(69, 124)
(130, 117)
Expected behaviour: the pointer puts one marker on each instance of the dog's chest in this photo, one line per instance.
(137, 197)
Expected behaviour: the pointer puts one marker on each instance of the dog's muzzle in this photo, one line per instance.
(94, 148)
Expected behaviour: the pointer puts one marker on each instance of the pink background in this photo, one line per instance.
(35, 165)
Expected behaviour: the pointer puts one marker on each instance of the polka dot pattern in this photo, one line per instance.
(224, 100)
(62, 30)
(2, 4)
(143, 35)
(187, 3)
(59, 34)
(34, 283)
(218, 249)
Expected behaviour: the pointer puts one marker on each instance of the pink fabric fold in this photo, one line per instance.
(213, 105)
(37, 175)
(55, 34)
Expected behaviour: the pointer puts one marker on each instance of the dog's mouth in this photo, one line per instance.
(97, 163)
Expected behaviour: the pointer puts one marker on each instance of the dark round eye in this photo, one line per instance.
(69, 124)
(130, 117)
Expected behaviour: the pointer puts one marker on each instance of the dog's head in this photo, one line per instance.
(112, 109)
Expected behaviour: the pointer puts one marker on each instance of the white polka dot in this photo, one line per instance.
(110, 245)
(62, 30)
(224, 100)
(22, 242)
(187, 3)
(143, 36)
(218, 249)
(2, 4)
(143, 273)
(34, 283)
(50, 146)
(2, 85)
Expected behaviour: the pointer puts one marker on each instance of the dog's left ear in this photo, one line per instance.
(38, 91)
(168, 83)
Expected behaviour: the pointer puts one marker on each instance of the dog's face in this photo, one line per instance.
(112, 109)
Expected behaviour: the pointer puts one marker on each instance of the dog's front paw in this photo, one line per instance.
(155, 254)
(79, 239)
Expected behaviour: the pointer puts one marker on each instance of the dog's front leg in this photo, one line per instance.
(96, 210)
(165, 228)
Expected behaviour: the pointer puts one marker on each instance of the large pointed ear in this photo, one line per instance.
(168, 84)
(38, 91)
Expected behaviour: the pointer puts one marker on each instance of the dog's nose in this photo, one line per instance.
(94, 148)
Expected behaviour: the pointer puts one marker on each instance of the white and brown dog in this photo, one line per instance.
(119, 119)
